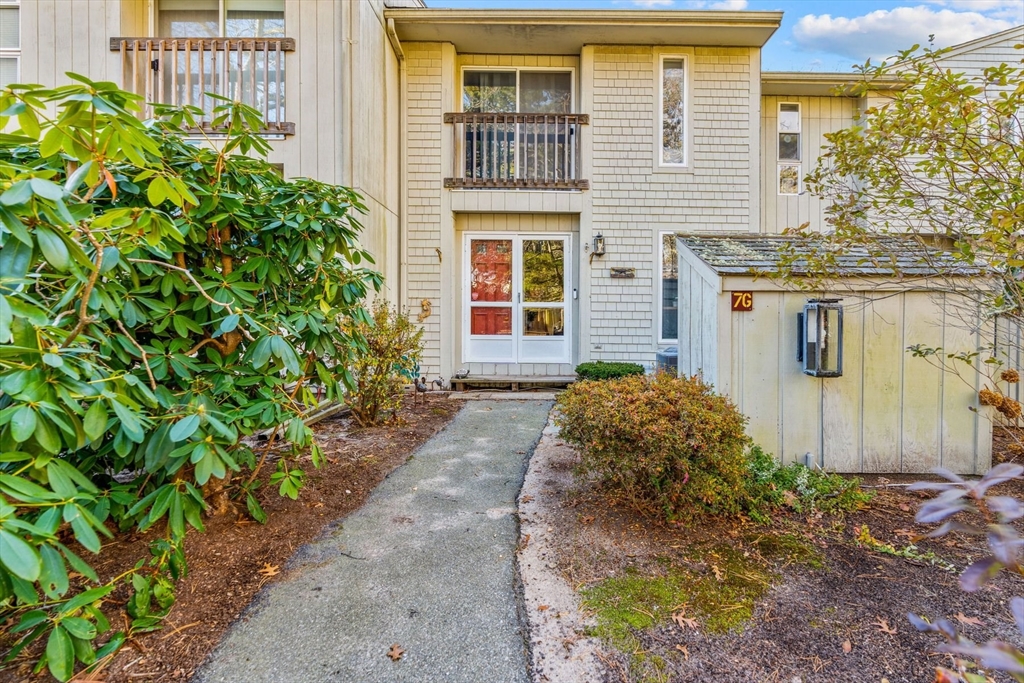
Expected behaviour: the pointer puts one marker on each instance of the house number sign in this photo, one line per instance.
(742, 301)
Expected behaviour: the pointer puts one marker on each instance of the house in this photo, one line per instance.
(322, 72)
(527, 172)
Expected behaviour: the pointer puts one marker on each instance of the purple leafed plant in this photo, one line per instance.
(958, 496)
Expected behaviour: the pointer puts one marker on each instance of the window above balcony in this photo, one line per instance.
(232, 49)
(516, 130)
(220, 18)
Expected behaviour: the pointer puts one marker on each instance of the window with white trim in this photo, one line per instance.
(10, 42)
(672, 119)
(668, 290)
(789, 139)
(220, 18)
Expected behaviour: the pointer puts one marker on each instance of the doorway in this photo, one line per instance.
(515, 298)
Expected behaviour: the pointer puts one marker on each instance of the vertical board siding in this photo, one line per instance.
(882, 383)
(801, 414)
(889, 412)
(922, 383)
(841, 401)
(819, 115)
(761, 377)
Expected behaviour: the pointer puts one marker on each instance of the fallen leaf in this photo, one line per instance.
(883, 626)
(526, 499)
(686, 653)
(968, 621)
(904, 507)
(683, 620)
(847, 646)
(541, 608)
(790, 499)
(396, 652)
(269, 570)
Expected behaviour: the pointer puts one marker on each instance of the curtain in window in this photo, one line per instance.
(188, 19)
(255, 18)
(545, 92)
(489, 91)
(10, 27)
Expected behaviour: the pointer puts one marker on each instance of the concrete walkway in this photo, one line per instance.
(427, 563)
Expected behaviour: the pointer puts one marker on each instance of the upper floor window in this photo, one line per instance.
(10, 42)
(789, 138)
(517, 90)
(672, 112)
(215, 18)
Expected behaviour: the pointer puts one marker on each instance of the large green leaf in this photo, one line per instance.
(19, 557)
(60, 655)
(23, 423)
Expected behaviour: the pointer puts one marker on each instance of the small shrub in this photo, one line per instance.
(389, 357)
(771, 485)
(661, 443)
(602, 370)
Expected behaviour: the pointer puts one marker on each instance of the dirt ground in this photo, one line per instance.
(236, 557)
(842, 620)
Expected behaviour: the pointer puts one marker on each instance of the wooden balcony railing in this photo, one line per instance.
(181, 71)
(539, 151)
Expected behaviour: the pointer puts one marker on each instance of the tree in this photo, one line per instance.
(943, 154)
(159, 301)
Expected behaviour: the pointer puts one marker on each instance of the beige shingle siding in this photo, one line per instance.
(423, 139)
(633, 203)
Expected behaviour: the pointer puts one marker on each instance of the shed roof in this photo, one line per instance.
(756, 254)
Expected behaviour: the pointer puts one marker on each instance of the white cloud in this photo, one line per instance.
(882, 33)
(1011, 10)
(651, 4)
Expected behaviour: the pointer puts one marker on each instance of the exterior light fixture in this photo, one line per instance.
(820, 338)
(598, 245)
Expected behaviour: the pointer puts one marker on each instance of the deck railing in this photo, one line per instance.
(539, 151)
(181, 71)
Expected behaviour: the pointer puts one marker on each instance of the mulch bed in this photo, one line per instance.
(814, 625)
(236, 557)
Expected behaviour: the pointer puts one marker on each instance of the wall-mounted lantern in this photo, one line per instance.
(820, 338)
(598, 245)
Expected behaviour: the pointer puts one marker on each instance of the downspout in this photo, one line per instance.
(403, 217)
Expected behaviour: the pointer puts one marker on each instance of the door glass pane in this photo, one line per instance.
(543, 271)
(490, 320)
(669, 287)
(673, 110)
(255, 18)
(490, 270)
(543, 322)
(545, 92)
(188, 18)
(489, 91)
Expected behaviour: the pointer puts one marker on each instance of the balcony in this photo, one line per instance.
(517, 151)
(181, 71)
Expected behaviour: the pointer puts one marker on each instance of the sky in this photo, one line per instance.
(819, 35)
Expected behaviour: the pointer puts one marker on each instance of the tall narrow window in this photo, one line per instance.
(789, 135)
(10, 42)
(667, 314)
(673, 111)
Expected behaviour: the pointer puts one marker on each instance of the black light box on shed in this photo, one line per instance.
(820, 338)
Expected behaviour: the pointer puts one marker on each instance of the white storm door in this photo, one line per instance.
(515, 308)
(543, 278)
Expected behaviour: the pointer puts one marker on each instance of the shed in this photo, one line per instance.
(888, 411)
